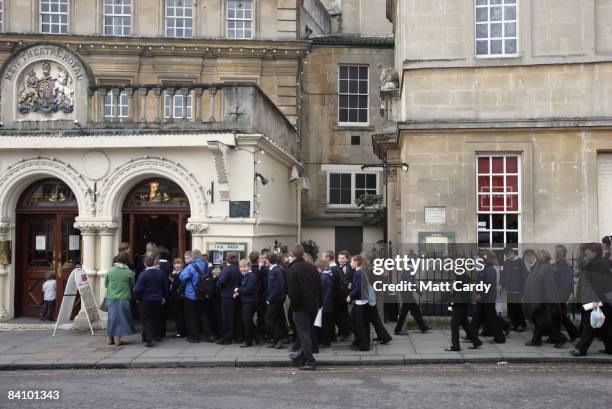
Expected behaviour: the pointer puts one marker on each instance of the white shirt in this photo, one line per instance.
(49, 290)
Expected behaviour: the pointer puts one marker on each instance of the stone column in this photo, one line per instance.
(158, 106)
(198, 231)
(88, 234)
(91, 113)
(129, 91)
(5, 229)
(196, 105)
(170, 92)
(185, 94)
(106, 232)
(101, 99)
(212, 92)
(142, 92)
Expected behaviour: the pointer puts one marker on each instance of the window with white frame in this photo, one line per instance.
(1, 15)
(353, 92)
(178, 106)
(240, 19)
(498, 200)
(345, 187)
(117, 17)
(496, 27)
(54, 16)
(122, 108)
(179, 18)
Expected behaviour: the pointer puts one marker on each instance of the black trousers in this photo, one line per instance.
(228, 312)
(360, 323)
(304, 326)
(327, 329)
(262, 328)
(561, 320)
(485, 314)
(178, 307)
(248, 312)
(149, 312)
(515, 310)
(49, 309)
(415, 310)
(459, 318)
(588, 333)
(192, 319)
(542, 318)
(204, 307)
(276, 321)
(374, 319)
(342, 319)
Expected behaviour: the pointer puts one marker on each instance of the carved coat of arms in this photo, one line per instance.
(46, 93)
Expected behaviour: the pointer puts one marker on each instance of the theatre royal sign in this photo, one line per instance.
(44, 82)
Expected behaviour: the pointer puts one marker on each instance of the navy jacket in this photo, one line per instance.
(152, 285)
(358, 292)
(166, 267)
(513, 275)
(488, 275)
(276, 290)
(347, 274)
(564, 276)
(328, 297)
(248, 288)
(229, 279)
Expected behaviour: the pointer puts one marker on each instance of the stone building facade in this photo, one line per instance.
(503, 114)
(339, 115)
(167, 121)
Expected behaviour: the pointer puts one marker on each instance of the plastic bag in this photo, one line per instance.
(597, 318)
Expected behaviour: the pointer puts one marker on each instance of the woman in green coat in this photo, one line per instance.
(119, 283)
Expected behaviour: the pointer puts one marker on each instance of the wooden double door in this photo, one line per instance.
(46, 242)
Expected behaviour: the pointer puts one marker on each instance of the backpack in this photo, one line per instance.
(206, 285)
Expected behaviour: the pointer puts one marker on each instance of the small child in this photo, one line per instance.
(248, 298)
(326, 332)
(49, 291)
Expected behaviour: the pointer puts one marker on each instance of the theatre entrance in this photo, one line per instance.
(46, 242)
(156, 211)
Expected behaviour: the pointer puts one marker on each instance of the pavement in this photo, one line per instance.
(27, 345)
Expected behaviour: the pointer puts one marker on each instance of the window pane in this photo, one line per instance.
(334, 180)
(360, 181)
(512, 203)
(496, 30)
(482, 31)
(481, 14)
(510, 47)
(483, 165)
(510, 29)
(482, 47)
(511, 164)
(498, 164)
(512, 221)
(510, 13)
(495, 13)
(498, 221)
(496, 46)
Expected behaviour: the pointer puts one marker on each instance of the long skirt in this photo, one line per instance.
(120, 323)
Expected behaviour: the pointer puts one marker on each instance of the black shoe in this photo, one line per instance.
(476, 345)
(179, 336)
(549, 341)
(400, 332)
(150, 344)
(576, 352)
(386, 341)
(560, 344)
(296, 359)
(293, 348)
(308, 367)
(315, 350)
(452, 349)
(605, 351)
(520, 329)
(209, 339)
(357, 348)
(499, 341)
(193, 341)
(426, 329)
(532, 344)
(376, 339)
(279, 345)
(344, 337)
(246, 345)
(272, 345)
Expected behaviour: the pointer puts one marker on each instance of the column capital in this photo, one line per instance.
(86, 227)
(106, 227)
(197, 227)
(5, 227)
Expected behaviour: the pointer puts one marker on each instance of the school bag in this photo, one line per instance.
(206, 285)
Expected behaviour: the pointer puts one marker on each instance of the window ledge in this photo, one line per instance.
(348, 210)
(354, 128)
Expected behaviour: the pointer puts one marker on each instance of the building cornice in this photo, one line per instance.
(162, 46)
(504, 124)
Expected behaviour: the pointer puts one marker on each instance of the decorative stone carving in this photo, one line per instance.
(116, 182)
(53, 167)
(106, 227)
(220, 153)
(5, 227)
(389, 78)
(86, 227)
(197, 228)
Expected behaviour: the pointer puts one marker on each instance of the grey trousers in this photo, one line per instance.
(304, 322)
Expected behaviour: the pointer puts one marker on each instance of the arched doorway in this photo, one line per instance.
(46, 241)
(156, 211)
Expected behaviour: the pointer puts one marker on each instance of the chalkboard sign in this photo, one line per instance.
(240, 208)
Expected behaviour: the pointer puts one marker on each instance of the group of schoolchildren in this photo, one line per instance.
(244, 301)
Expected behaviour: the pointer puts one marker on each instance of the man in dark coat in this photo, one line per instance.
(229, 279)
(597, 273)
(564, 277)
(484, 310)
(513, 276)
(306, 295)
(151, 290)
(340, 291)
(460, 306)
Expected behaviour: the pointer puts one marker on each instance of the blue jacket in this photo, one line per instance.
(276, 290)
(192, 277)
(152, 285)
(513, 275)
(328, 297)
(228, 280)
(357, 290)
(248, 288)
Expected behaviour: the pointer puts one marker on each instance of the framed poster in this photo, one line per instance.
(217, 252)
(41, 243)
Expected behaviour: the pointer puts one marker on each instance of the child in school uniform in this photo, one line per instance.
(326, 332)
(248, 298)
(49, 291)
